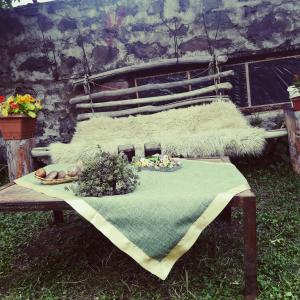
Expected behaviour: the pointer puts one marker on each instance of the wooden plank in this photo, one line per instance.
(157, 99)
(147, 87)
(152, 65)
(276, 133)
(147, 109)
(264, 108)
(16, 198)
(15, 193)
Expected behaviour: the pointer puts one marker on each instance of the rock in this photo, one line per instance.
(28, 11)
(250, 11)
(130, 9)
(184, 5)
(67, 24)
(44, 22)
(222, 43)
(55, 6)
(211, 4)
(110, 33)
(84, 39)
(21, 47)
(90, 21)
(155, 8)
(31, 64)
(194, 44)
(67, 64)
(103, 55)
(10, 25)
(215, 19)
(261, 30)
(66, 128)
(147, 51)
(142, 27)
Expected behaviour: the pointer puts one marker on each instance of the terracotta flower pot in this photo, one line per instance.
(17, 127)
(296, 103)
(294, 94)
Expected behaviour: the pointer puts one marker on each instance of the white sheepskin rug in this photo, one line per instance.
(215, 129)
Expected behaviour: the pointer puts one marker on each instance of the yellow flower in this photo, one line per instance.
(10, 99)
(38, 104)
(25, 98)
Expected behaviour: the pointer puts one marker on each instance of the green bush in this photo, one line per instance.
(106, 174)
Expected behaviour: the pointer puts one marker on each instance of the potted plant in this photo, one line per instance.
(294, 93)
(18, 116)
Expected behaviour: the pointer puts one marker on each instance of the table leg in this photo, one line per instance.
(250, 260)
(225, 215)
(58, 216)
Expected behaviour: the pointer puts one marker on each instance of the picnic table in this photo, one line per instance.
(15, 198)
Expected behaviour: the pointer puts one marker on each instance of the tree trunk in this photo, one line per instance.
(19, 159)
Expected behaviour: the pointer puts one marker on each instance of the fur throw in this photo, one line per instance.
(215, 129)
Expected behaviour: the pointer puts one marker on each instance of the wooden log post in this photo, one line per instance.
(152, 149)
(292, 119)
(250, 259)
(128, 150)
(20, 162)
(19, 159)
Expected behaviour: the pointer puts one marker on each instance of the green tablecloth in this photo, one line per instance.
(163, 217)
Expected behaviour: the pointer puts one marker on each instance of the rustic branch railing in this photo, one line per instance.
(153, 65)
(148, 108)
(147, 87)
(158, 99)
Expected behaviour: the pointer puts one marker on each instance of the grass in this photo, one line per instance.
(74, 261)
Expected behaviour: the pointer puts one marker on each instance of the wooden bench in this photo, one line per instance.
(197, 78)
(14, 198)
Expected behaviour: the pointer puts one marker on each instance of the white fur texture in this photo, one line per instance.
(207, 130)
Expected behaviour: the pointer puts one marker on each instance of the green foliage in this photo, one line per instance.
(7, 3)
(106, 174)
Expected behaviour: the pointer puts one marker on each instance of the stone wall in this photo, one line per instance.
(44, 46)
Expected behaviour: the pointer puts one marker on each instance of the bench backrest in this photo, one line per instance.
(167, 87)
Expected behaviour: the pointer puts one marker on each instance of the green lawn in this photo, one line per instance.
(74, 261)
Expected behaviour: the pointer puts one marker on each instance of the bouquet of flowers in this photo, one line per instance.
(20, 104)
(159, 163)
